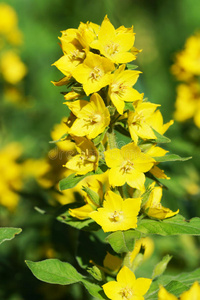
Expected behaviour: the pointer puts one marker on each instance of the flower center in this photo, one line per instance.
(96, 74)
(126, 293)
(118, 89)
(127, 167)
(112, 48)
(116, 216)
(96, 118)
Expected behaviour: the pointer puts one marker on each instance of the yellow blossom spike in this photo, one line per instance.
(116, 213)
(94, 73)
(127, 286)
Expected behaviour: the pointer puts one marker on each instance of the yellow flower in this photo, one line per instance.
(116, 213)
(11, 67)
(139, 121)
(72, 57)
(94, 72)
(146, 245)
(193, 293)
(156, 122)
(153, 207)
(87, 33)
(128, 164)
(127, 287)
(87, 159)
(120, 88)
(155, 151)
(72, 96)
(164, 295)
(188, 103)
(92, 118)
(115, 44)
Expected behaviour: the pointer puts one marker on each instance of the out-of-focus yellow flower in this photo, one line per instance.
(192, 294)
(115, 44)
(36, 168)
(128, 164)
(139, 121)
(8, 18)
(127, 286)
(163, 294)
(92, 118)
(11, 175)
(94, 73)
(11, 67)
(153, 207)
(116, 213)
(146, 244)
(120, 88)
(87, 158)
(188, 103)
(188, 59)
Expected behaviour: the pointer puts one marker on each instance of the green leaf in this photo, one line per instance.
(8, 233)
(129, 106)
(131, 66)
(94, 289)
(100, 137)
(87, 224)
(123, 241)
(171, 157)
(161, 138)
(54, 271)
(71, 181)
(172, 226)
(173, 284)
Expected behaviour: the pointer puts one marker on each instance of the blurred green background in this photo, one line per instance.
(161, 30)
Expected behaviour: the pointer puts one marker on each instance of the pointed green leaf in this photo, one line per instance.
(161, 138)
(131, 66)
(123, 241)
(172, 226)
(171, 157)
(87, 224)
(8, 233)
(71, 181)
(100, 137)
(129, 106)
(94, 289)
(54, 271)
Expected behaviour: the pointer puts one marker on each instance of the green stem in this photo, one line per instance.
(127, 260)
(111, 139)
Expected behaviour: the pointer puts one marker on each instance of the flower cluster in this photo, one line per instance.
(118, 180)
(186, 69)
(99, 77)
